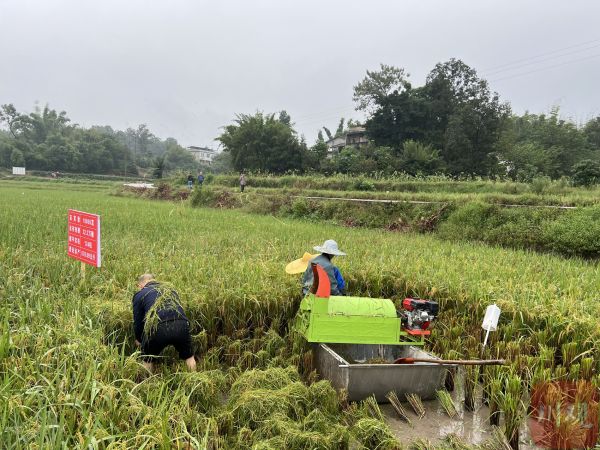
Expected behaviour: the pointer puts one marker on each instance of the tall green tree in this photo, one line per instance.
(262, 142)
(544, 143)
(377, 85)
(177, 157)
(16, 158)
(454, 111)
(469, 117)
(340, 128)
(12, 119)
(285, 118)
(592, 133)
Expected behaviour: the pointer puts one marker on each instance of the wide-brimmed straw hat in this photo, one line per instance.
(299, 265)
(330, 247)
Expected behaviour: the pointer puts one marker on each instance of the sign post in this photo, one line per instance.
(84, 238)
(18, 170)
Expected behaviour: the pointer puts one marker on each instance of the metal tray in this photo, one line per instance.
(345, 366)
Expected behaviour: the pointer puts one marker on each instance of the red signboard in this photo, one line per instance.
(84, 237)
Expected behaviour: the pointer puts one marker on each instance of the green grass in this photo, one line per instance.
(60, 384)
(570, 197)
(431, 188)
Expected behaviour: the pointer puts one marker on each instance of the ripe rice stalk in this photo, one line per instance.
(587, 368)
(449, 381)
(574, 372)
(495, 398)
(540, 337)
(528, 368)
(456, 333)
(490, 373)
(513, 350)
(500, 349)
(421, 444)
(374, 434)
(560, 373)
(307, 362)
(471, 377)
(569, 352)
(373, 407)
(395, 402)
(471, 344)
(585, 393)
(343, 399)
(512, 405)
(167, 299)
(417, 404)
(497, 441)
(454, 442)
(325, 396)
(546, 356)
(596, 381)
(567, 432)
(311, 378)
(540, 376)
(446, 401)
(233, 352)
(553, 398)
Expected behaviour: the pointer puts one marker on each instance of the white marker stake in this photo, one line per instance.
(490, 321)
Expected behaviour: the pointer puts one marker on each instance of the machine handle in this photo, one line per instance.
(462, 362)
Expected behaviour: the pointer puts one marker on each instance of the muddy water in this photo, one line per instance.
(471, 427)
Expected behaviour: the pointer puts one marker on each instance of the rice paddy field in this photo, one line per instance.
(70, 376)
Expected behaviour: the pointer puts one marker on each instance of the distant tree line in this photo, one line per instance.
(47, 140)
(453, 124)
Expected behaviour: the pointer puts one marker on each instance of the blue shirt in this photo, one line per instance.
(340, 280)
(143, 300)
(333, 273)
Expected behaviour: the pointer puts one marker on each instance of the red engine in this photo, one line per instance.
(418, 315)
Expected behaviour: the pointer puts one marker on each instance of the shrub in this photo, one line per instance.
(300, 208)
(364, 185)
(539, 185)
(586, 173)
(203, 197)
(574, 233)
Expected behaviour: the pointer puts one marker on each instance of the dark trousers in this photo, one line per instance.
(172, 332)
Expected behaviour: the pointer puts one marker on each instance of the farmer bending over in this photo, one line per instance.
(159, 321)
(328, 250)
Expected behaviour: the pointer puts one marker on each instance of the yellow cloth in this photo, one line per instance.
(299, 265)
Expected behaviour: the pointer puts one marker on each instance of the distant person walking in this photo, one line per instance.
(242, 181)
(190, 181)
(200, 179)
(159, 321)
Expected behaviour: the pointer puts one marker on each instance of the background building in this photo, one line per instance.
(204, 155)
(352, 137)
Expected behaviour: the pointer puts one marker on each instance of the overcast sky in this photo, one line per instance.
(186, 68)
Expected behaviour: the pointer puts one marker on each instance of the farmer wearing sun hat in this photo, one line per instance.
(327, 251)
